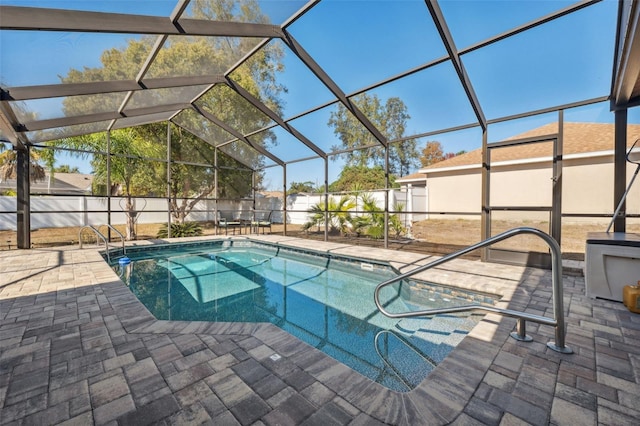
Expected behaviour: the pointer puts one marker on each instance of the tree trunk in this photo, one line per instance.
(131, 214)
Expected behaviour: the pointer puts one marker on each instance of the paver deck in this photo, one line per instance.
(76, 347)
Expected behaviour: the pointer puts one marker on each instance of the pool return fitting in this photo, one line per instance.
(520, 333)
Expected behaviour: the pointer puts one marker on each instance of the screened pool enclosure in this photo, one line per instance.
(215, 111)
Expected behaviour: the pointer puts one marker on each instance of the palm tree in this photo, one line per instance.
(9, 165)
(338, 216)
(372, 224)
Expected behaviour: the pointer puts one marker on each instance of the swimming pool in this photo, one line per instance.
(324, 300)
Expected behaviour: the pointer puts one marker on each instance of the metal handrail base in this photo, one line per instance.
(520, 333)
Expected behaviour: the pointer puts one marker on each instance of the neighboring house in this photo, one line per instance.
(416, 180)
(62, 183)
(521, 176)
(414, 188)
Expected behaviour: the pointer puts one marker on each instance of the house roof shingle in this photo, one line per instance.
(413, 177)
(578, 138)
(71, 183)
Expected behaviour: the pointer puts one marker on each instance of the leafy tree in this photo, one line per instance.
(431, 153)
(365, 178)
(65, 168)
(191, 183)
(185, 56)
(298, 187)
(130, 172)
(390, 118)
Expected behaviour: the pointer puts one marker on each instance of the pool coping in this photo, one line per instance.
(440, 397)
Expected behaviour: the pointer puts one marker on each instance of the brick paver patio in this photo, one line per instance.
(78, 348)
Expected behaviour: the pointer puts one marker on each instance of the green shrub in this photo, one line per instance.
(184, 229)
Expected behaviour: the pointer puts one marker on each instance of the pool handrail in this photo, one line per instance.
(124, 250)
(520, 333)
(106, 243)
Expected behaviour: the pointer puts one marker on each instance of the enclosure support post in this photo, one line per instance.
(215, 188)
(555, 224)
(108, 184)
(485, 225)
(284, 200)
(23, 190)
(409, 208)
(386, 196)
(620, 169)
(326, 199)
(168, 179)
(253, 199)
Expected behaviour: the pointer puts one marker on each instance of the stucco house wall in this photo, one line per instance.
(455, 192)
(587, 180)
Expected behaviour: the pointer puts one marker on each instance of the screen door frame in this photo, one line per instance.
(526, 258)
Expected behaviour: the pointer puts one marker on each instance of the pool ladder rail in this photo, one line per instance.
(103, 238)
(520, 333)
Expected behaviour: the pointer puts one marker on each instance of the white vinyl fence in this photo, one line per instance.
(65, 211)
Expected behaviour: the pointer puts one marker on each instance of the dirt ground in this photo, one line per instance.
(433, 236)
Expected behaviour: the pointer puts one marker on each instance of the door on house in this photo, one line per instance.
(524, 189)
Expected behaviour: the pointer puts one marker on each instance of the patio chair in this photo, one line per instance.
(224, 223)
(264, 223)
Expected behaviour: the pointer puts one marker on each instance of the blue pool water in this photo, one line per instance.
(325, 301)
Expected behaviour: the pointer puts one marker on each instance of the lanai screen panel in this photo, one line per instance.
(143, 119)
(433, 99)
(283, 145)
(67, 131)
(201, 127)
(226, 105)
(67, 106)
(165, 96)
(31, 58)
(385, 49)
(468, 23)
(267, 11)
(246, 155)
(397, 36)
(153, 8)
(547, 65)
(298, 89)
(192, 56)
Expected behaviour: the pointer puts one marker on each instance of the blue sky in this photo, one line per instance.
(361, 42)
